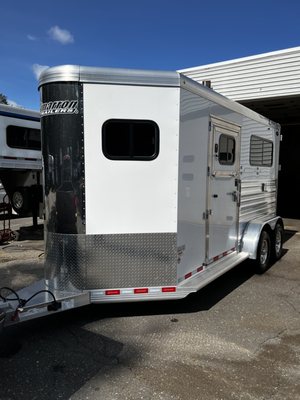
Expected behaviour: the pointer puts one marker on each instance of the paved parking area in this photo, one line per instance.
(238, 338)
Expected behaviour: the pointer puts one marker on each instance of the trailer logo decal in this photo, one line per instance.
(59, 107)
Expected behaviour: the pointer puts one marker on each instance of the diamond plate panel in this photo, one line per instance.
(111, 261)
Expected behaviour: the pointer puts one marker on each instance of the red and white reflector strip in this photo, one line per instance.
(224, 254)
(192, 273)
(137, 291)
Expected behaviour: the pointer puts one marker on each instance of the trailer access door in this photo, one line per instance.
(223, 189)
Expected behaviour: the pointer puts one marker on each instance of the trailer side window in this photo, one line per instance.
(226, 150)
(130, 139)
(261, 152)
(20, 137)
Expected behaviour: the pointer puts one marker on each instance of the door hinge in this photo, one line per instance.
(209, 126)
(208, 171)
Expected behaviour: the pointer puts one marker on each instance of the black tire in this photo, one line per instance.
(263, 253)
(277, 241)
(20, 201)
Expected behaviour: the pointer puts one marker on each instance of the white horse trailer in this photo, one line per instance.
(21, 158)
(154, 186)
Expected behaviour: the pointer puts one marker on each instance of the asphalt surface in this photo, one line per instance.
(238, 338)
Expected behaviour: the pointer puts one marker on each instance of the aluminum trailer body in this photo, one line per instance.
(154, 185)
(21, 157)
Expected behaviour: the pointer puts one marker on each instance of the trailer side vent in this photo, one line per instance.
(261, 152)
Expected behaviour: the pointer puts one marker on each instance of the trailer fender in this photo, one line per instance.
(251, 234)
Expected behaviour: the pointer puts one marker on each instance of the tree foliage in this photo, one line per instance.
(3, 99)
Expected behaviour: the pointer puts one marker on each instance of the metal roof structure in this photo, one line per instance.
(269, 75)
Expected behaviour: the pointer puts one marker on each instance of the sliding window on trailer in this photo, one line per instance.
(130, 139)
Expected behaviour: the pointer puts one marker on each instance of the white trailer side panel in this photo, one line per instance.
(125, 196)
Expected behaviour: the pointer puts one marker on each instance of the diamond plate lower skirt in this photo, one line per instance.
(110, 261)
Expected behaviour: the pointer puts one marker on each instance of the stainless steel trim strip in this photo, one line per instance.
(76, 73)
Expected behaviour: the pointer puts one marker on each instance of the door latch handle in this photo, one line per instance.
(234, 196)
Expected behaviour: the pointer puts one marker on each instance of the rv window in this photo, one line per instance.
(20, 137)
(261, 152)
(130, 139)
(226, 150)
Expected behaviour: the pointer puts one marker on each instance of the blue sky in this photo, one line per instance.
(150, 34)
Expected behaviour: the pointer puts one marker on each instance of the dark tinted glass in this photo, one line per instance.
(130, 140)
(23, 138)
(226, 150)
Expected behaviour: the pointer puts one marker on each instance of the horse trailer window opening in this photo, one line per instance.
(130, 139)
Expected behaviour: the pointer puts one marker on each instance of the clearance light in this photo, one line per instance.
(112, 292)
(168, 289)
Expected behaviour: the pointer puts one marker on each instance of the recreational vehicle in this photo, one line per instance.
(21, 158)
(154, 186)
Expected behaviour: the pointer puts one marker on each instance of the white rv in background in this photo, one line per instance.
(21, 158)
(154, 186)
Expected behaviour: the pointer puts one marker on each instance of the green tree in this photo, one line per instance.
(3, 99)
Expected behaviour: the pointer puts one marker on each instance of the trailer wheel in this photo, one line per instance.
(19, 201)
(277, 242)
(263, 252)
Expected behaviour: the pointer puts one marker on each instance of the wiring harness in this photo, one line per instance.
(53, 306)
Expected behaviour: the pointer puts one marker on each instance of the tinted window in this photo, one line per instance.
(23, 138)
(130, 139)
(226, 150)
(261, 152)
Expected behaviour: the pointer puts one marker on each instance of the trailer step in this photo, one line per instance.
(213, 271)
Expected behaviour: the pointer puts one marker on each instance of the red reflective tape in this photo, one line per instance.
(30, 159)
(141, 290)
(168, 289)
(225, 253)
(188, 275)
(216, 258)
(199, 269)
(10, 158)
(112, 292)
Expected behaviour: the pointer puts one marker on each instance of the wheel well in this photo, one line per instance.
(252, 233)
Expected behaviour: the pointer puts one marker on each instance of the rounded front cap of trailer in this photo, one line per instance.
(75, 73)
(62, 73)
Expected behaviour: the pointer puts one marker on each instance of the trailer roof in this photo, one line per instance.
(76, 73)
(19, 112)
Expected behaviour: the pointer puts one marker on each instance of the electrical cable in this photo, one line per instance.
(17, 298)
(23, 302)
